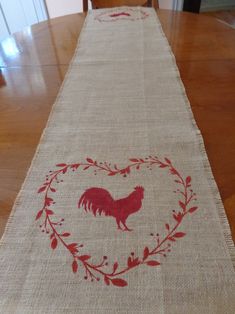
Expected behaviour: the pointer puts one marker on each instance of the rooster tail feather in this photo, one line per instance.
(82, 202)
(97, 200)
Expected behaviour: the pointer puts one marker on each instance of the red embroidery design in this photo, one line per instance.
(99, 200)
(129, 14)
(160, 245)
(119, 14)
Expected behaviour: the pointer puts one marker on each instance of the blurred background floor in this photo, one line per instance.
(226, 16)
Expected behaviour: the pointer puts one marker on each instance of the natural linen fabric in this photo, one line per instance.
(122, 99)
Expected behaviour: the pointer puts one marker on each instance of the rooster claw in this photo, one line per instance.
(123, 225)
(127, 229)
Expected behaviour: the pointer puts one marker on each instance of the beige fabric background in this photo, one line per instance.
(121, 99)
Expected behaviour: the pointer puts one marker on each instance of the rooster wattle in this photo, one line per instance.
(100, 201)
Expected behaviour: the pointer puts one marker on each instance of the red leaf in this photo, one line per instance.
(173, 171)
(54, 243)
(179, 235)
(64, 170)
(90, 160)
(171, 239)
(119, 282)
(163, 166)
(84, 257)
(73, 248)
(132, 263)
(66, 234)
(86, 167)
(107, 281)
(43, 188)
(112, 174)
(49, 212)
(39, 214)
(191, 210)
(135, 262)
(75, 166)
(48, 201)
(167, 226)
(168, 161)
(61, 165)
(134, 160)
(182, 205)
(146, 252)
(75, 266)
(188, 180)
(153, 263)
(115, 266)
(129, 262)
(177, 217)
(53, 190)
(71, 245)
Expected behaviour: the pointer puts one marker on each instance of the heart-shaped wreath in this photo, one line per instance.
(150, 256)
(117, 14)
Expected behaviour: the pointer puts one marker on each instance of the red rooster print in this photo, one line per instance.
(100, 201)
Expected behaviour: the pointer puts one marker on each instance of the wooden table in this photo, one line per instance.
(34, 62)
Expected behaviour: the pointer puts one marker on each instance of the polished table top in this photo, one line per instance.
(33, 65)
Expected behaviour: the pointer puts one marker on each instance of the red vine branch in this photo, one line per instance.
(150, 256)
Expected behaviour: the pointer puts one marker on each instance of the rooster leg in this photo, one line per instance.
(118, 223)
(126, 228)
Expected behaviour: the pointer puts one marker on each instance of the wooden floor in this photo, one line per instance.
(227, 16)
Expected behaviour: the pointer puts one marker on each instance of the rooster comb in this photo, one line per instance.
(139, 188)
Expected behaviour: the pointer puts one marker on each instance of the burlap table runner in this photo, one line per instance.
(119, 212)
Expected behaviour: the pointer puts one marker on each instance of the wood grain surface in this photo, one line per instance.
(33, 64)
(226, 16)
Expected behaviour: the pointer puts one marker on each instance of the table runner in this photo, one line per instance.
(119, 212)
